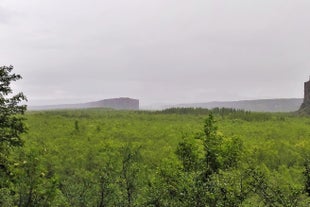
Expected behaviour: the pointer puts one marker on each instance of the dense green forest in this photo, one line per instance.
(176, 157)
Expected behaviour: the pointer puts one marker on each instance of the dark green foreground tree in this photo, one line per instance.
(11, 121)
(11, 124)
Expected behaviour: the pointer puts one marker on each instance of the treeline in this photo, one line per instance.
(228, 113)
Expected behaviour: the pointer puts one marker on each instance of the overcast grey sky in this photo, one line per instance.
(159, 51)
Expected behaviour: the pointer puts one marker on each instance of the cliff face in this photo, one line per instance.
(307, 93)
(305, 106)
(116, 103)
(113, 103)
(121, 103)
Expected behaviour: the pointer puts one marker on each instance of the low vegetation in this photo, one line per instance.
(176, 157)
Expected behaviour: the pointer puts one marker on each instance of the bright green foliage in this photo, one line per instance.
(107, 186)
(307, 177)
(129, 173)
(34, 184)
(175, 157)
(207, 170)
(187, 153)
(98, 157)
(11, 127)
(221, 152)
(271, 192)
(212, 146)
(11, 123)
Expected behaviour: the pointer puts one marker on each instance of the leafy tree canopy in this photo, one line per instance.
(11, 109)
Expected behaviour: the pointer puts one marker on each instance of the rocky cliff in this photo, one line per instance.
(305, 106)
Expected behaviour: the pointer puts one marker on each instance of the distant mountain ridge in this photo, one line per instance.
(260, 105)
(122, 103)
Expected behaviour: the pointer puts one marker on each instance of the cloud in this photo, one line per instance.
(158, 50)
(4, 16)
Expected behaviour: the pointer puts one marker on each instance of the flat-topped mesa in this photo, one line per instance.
(305, 106)
(122, 103)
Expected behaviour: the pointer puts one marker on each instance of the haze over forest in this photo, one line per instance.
(162, 51)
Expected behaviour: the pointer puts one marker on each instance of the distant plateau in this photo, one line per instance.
(260, 105)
